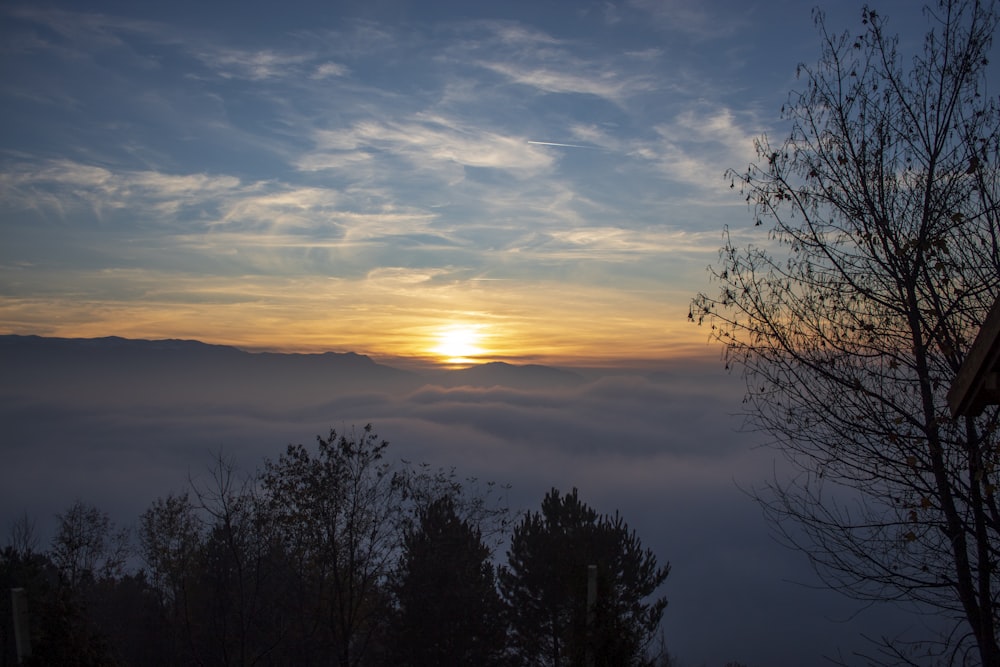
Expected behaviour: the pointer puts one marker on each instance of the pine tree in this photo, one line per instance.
(544, 586)
(448, 609)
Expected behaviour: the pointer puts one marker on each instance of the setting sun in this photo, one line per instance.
(459, 343)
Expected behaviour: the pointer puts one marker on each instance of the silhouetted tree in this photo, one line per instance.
(58, 593)
(544, 586)
(235, 570)
(852, 316)
(21, 568)
(127, 612)
(171, 541)
(219, 571)
(64, 633)
(338, 512)
(170, 535)
(290, 567)
(87, 546)
(448, 611)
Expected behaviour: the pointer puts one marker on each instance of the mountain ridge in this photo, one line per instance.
(135, 369)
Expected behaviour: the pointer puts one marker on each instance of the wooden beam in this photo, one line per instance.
(977, 383)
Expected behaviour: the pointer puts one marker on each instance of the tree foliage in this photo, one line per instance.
(852, 318)
(448, 611)
(338, 512)
(84, 608)
(213, 565)
(545, 582)
(87, 546)
(335, 555)
(170, 534)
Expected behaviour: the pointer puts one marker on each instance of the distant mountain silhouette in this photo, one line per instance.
(144, 371)
(141, 370)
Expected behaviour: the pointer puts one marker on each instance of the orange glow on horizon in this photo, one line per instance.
(448, 327)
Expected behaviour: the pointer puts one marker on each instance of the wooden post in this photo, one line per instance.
(22, 631)
(591, 603)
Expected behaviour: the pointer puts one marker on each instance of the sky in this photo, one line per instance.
(445, 182)
(528, 181)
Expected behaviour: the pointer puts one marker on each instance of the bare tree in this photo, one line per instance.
(171, 541)
(339, 511)
(214, 563)
(87, 546)
(237, 569)
(23, 539)
(851, 317)
(170, 535)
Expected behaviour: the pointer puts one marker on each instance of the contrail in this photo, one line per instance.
(552, 143)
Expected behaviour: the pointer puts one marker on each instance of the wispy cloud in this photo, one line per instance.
(330, 69)
(529, 57)
(425, 142)
(253, 65)
(696, 20)
(80, 32)
(605, 84)
(519, 35)
(698, 146)
(61, 186)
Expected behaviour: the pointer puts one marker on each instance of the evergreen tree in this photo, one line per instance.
(448, 610)
(545, 587)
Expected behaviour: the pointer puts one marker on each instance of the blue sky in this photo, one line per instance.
(363, 176)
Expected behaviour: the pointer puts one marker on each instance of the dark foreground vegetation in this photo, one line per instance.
(334, 555)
